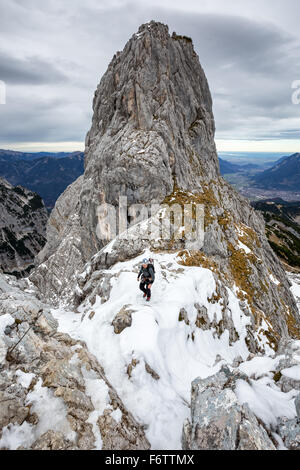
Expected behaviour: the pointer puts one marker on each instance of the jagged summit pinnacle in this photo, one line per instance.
(155, 27)
(153, 125)
(160, 31)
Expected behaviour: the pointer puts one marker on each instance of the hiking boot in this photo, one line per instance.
(148, 298)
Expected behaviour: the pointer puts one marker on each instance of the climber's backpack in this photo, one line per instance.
(151, 264)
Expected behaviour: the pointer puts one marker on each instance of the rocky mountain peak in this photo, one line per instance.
(284, 175)
(5, 183)
(155, 85)
(155, 28)
(152, 127)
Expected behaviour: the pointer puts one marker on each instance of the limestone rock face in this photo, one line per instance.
(219, 422)
(297, 404)
(152, 125)
(65, 211)
(289, 431)
(122, 435)
(23, 219)
(61, 260)
(42, 367)
(288, 378)
(52, 440)
(122, 320)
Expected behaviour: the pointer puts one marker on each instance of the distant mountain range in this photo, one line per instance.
(227, 167)
(282, 228)
(284, 175)
(47, 174)
(15, 155)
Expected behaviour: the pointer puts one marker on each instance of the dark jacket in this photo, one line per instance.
(147, 274)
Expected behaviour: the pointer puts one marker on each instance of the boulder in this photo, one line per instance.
(218, 421)
(289, 431)
(122, 320)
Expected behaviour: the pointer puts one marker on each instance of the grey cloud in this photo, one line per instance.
(31, 70)
(250, 67)
(29, 118)
(66, 46)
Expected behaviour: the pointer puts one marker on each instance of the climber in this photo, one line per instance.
(147, 275)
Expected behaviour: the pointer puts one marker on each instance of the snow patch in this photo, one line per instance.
(52, 414)
(259, 366)
(98, 391)
(274, 280)
(266, 400)
(24, 378)
(243, 247)
(292, 372)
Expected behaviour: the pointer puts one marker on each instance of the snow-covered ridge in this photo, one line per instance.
(150, 353)
(169, 342)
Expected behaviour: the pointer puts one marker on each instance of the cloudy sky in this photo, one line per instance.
(53, 54)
